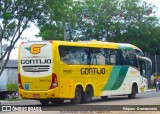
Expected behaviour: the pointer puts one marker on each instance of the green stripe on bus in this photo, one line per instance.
(112, 78)
(120, 78)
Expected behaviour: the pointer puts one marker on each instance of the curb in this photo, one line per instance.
(149, 90)
(5, 102)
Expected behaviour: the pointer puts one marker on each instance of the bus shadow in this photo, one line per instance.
(113, 99)
(93, 106)
(67, 103)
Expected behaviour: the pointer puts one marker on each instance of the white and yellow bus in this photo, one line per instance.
(53, 71)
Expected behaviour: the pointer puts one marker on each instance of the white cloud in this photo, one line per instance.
(30, 33)
(156, 3)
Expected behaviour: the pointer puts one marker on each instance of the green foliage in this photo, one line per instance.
(55, 18)
(130, 21)
(12, 87)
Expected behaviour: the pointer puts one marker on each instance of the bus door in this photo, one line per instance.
(143, 71)
(65, 70)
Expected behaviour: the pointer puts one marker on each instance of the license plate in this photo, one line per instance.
(35, 95)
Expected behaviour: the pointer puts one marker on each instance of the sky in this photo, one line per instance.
(156, 3)
(33, 30)
(28, 35)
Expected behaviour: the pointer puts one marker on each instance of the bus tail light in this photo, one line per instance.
(54, 82)
(19, 82)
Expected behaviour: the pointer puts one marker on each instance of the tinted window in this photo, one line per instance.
(130, 58)
(97, 56)
(138, 52)
(82, 55)
(73, 55)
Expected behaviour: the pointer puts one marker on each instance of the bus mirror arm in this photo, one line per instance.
(145, 59)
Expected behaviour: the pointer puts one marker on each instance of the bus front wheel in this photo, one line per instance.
(78, 96)
(44, 101)
(133, 92)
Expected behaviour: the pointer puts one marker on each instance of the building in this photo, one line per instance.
(9, 76)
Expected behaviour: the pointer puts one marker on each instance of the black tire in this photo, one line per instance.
(2, 96)
(87, 95)
(133, 93)
(78, 96)
(57, 101)
(104, 98)
(44, 101)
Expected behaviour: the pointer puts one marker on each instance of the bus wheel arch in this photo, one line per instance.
(78, 95)
(88, 94)
(134, 91)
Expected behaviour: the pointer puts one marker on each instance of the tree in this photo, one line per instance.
(55, 19)
(100, 19)
(81, 20)
(127, 21)
(138, 23)
(15, 16)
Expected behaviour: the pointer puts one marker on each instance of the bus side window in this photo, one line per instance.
(138, 52)
(83, 56)
(75, 55)
(64, 53)
(98, 57)
(94, 56)
(113, 57)
(101, 57)
(70, 54)
(131, 58)
(119, 57)
(107, 56)
(88, 54)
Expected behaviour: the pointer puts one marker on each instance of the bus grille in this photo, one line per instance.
(38, 68)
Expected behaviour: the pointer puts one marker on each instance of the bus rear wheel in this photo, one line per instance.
(78, 96)
(87, 95)
(44, 101)
(133, 93)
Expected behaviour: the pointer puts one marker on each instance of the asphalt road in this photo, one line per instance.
(149, 100)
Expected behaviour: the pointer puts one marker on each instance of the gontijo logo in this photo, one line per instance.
(35, 49)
